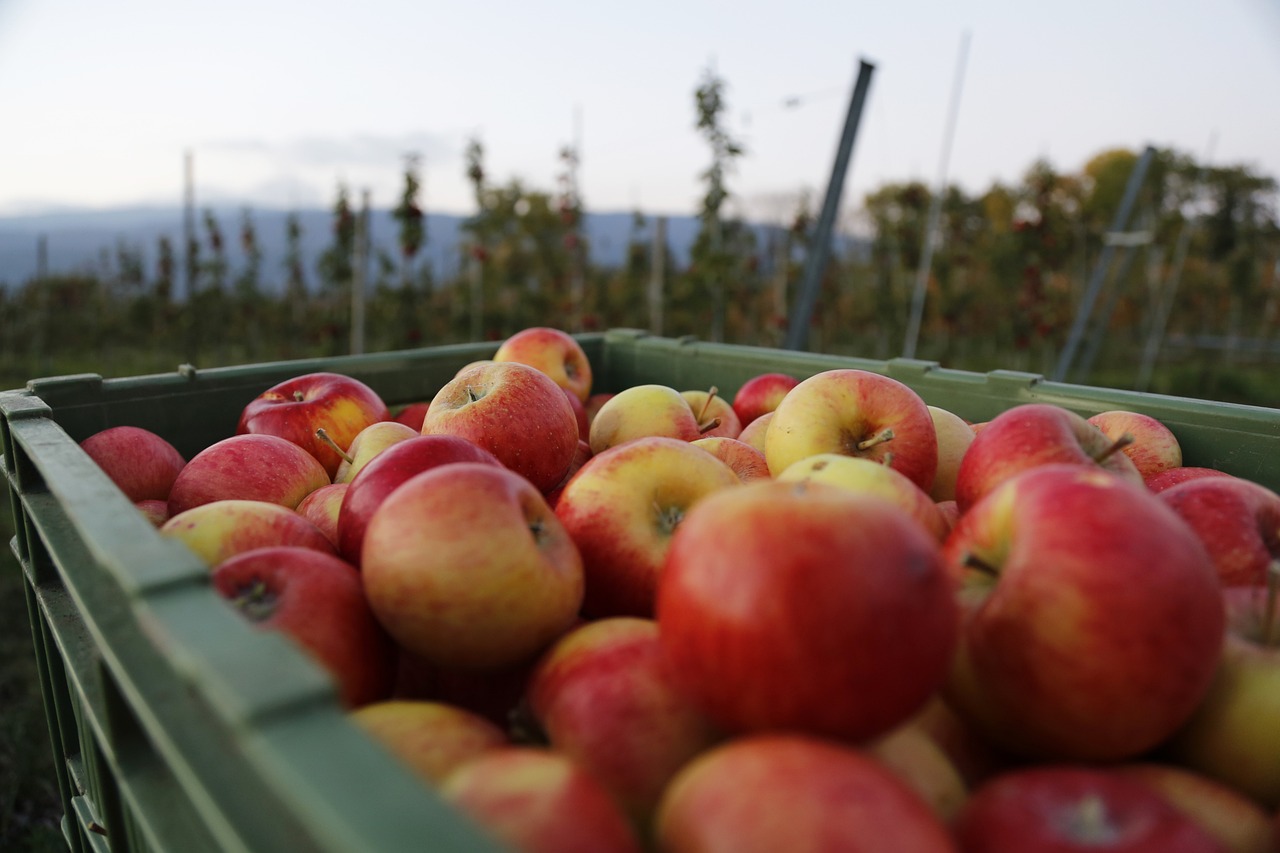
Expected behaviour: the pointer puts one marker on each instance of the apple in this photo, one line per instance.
(515, 412)
(539, 801)
(621, 509)
(294, 409)
(317, 600)
(495, 693)
(1238, 521)
(1239, 824)
(746, 461)
(368, 443)
(973, 756)
(323, 508)
(954, 437)
(431, 738)
(1028, 436)
(1093, 617)
(555, 353)
(1061, 808)
(855, 413)
(157, 512)
(594, 402)
(642, 411)
(140, 462)
(579, 415)
(389, 470)
(466, 565)
(715, 414)
(1171, 477)
(761, 394)
(602, 695)
(247, 467)
(412, 414)
(773, 792)
(1154, 447)
(1234, 734)
(219, 530)
(868, 477)
(785, 605)
(756, 433)
(917, 759)
(579, 459)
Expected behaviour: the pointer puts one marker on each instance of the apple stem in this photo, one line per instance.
(472, 396)
(255, 601)
(711, 395)
(879, 438)
(298, 396)
(1119, 444)
(1269, 609)
(324, 436)
(971, 560)
(703, 429)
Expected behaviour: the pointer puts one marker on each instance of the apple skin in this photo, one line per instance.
(579, 459)
(294, 409)
(316, 599)
(323, 508)
(554, 352)
(756, 433)
(579, 415)
(708, 408)
(157, 512)
(1174, 476)
(140, 462)
(368, 443)
(760, 394)
(621, 509)
(412, 415)
(917, 759)
(1093, 629)
(954, 437)
(466, 565)
(390, 469)
(603, 696)
(746, 461)
(1058, 808)
(515, 412)
(1237, 520)
(855, 413)
(1154, 449)
(770, 793)
(593, 404)
(1237, 822)
(767, 589)
(642, 411)
(539, 801)
(431, 738)
(219, 530)
(247, 467)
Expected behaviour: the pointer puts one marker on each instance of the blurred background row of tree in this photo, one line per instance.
(1189, 306)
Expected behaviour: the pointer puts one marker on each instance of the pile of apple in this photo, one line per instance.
(822, 616)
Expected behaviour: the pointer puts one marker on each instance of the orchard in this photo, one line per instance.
(817, 614)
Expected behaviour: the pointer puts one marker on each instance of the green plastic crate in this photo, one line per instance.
(177, 727)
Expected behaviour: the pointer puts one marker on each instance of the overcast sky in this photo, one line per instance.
(280, 101)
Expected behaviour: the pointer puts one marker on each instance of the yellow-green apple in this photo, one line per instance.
(915, 758)
(515, 412)
(715, 414)
(642, 411)
(869, 477)
(317, 600)
(1028, 436)
(954, 437)
(555, 353)
(219, 530)
(756, 433)
(1174, 476)
(247, 467)
(368, 443)
(389, 470)
(783, 605)
(1060, 808)
(157, 512)
(1239, 824)
(1234, 734)
(323, 508)
(855, 413)
(1238, 521)
(760, 394)
(431, 738)
(539, 801)
(770, 792)
(603, 696)
(466, 565)
(1154, 447)
(412, 414)
(621, 509)
(294, 409)
(140, 462)
(746, 461)
(1093, 617)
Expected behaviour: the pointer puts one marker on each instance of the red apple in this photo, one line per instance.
(317, 600)
(247, 467)
(294, 409)
(715, 414)
(1154, 447)
(855, 413)
(757, 432)
(157, 512)
(219, 530)
(555, 353)
(579, 415)
(1092, 616)
(1239, 824)
(431, 738)
(1171, 477)
(1237, 520)
(412, 414)
(746, 461)
(513, 411)
(466, 565)
(770, 793)
(139, 461)
(323, 507)
(760, 394)
(784, 606)
(1028, 436)
(594, 402)
(579, 459)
